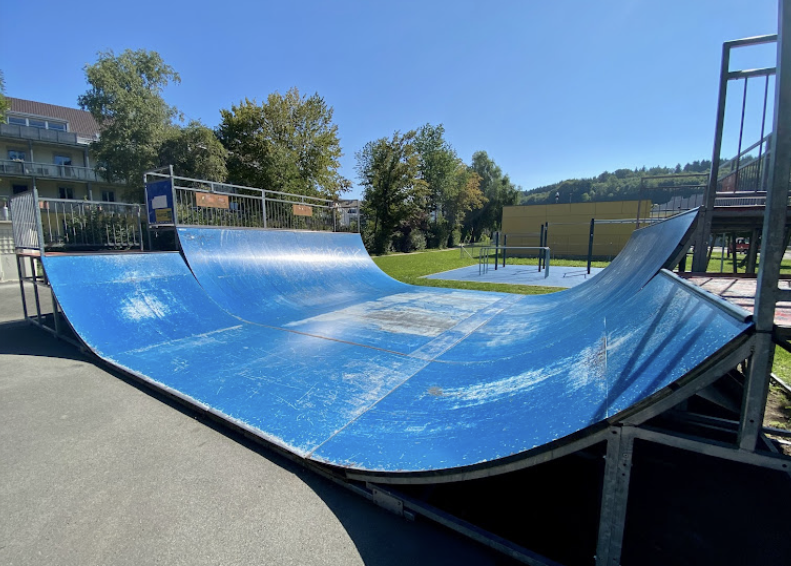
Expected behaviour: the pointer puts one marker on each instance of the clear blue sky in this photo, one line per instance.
(551, 90)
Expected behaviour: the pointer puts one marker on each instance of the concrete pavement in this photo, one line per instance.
(95, 469)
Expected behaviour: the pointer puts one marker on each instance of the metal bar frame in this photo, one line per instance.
(772, 243)
(699, 262)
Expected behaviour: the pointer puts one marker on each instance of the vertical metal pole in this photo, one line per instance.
(736, 185)
(590, 245)
(540, 245)
(35, 289)
(20, 269)
(707, 211)
(263, 206)
(496, 248)
(140, 228)
(175, 203)
(761, 168)
(615, 495)
(505, 247)
(772, 244)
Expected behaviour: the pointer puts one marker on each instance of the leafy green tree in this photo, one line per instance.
(389, 170)
(125, 98)
(288, 143)
(498, 190)
(438, 163)
(194, 151)
(4, 103)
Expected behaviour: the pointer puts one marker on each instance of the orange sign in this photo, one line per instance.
(303, 210)
(211, 200)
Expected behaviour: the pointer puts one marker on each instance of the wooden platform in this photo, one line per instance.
(740, 289)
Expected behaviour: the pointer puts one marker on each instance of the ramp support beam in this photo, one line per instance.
(615, 495)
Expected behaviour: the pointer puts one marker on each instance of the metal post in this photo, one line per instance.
(590, 245)
(752, 252)
(35, 290)
(175, 202)
(772, 244)
(615, 495)
(496, 248)
(20, 269)
(263, 208)
(541, 245)
(505, 247)
(707, 211)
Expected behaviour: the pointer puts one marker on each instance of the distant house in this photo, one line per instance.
(47, 147)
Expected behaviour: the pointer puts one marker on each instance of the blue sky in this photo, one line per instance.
(551, 90)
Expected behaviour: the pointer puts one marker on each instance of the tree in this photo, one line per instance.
(125, 98)
(288, 144)
(438, 163)
(393, 190)
(4, 103)
(194, 151)
(498, 190)
(464, 196)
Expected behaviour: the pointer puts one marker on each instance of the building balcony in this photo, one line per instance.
(49, 171)
(42, 135)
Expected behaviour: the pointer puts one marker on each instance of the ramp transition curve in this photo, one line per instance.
(300, 339)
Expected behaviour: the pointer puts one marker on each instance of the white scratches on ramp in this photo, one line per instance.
(144, 308)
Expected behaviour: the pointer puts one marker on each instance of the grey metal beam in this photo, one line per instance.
(772, 244)
(700, 258)
(749, 73)
(715, 449)
(615, 495)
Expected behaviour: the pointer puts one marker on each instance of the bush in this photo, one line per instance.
(417, 241)
(455, 238)
(438, 234)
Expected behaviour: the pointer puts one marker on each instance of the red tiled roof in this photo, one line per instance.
(80, 121)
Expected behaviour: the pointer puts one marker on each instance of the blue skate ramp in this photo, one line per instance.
(299, 339)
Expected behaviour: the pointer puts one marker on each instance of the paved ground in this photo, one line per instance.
(96, 470)
(565, 277)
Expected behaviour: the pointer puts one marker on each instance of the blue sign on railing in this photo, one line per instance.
(159, 202)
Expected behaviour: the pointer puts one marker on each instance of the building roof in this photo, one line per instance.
(80, 121)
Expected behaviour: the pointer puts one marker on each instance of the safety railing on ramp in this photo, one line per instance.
(183, 201)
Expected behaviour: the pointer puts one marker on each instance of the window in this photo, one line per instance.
(16, 155)
(18, 189)
(38, 123)
(108, 196)
(62, 160)
(66, 192)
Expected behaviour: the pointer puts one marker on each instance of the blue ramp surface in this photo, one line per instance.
(298, 338)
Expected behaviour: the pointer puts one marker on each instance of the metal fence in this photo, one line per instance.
(25, 224)
(206, 203)
(90, 225)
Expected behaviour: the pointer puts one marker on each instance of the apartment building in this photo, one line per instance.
(47, 147)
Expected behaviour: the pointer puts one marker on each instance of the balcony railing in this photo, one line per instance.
(42, 135)
(49, 170)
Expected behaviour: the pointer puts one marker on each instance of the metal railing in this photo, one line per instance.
(51, 170)
(25, 224)
(90, 225)
(486, 254)
(41, 134)
(206, 203)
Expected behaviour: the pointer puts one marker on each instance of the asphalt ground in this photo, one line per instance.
(96, 470)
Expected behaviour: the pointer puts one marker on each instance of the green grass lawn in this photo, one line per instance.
(410, 268)
(718, 263)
